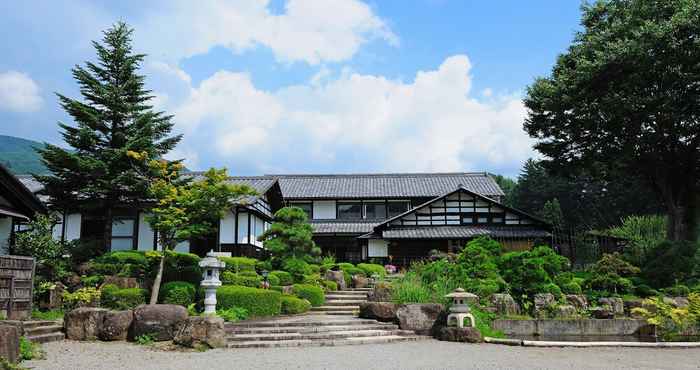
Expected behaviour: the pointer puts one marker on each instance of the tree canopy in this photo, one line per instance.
(625, 97)
(290, 235)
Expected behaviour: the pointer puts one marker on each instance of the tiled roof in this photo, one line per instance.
(458, 232)
(385, 185)
(261, 184)
(339, 227)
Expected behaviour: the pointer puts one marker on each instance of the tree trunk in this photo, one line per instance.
(107, 237)
(682, 223)
(155, 290)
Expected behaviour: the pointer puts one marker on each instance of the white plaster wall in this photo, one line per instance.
(146, 236)
(73, 223)
(377, 248)
(5, 231)
(324, 209)
(57, 231)
(227, 226)
(259, 229)
(243, 228)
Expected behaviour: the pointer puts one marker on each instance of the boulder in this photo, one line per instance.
(338, 277)
(579, 301)
(455, 334)
(9, 343)
(84, 323)
(677, 302)
(121, 282)
(360, 281)
(381, 293)
(157, 320)
(115, 325)
(380, 311)
(630, 305)
(504, 304)
(565, 311)
(544, 302)
(199, 331)
(602, 313)
(617, 306)
(418, 317)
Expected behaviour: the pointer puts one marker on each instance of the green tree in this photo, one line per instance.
(112, 118)
(51, 255)
(290, 235)
(643, 233)
(508, 185)
(626, 97)
(186, 208)
(551, 212)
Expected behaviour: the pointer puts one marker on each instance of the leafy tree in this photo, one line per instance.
(532, 272)
(551, 212)
(670, 262)
(611, 273)
(186, 208)
(508, 185)
(643, 233)
(290, 235)
(112, 118)
(626, 97)
(51, 255)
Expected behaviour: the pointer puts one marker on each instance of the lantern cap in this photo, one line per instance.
(460, 293)
(211, 261)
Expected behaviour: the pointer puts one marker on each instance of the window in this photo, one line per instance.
(123, 233)
(397, 208)
(349, 211)
(307, 207)
(375, 211)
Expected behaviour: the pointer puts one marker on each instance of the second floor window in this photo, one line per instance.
(375, 211)
(349, 211)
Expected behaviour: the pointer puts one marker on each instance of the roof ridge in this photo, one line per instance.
(388, 174)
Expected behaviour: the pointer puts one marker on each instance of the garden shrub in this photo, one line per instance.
(292, 305)
(82, 297)
(273, 279)
(297, 267)
(670, 262)
(612, 274)
(669, 320)
(284, 277)
(92, 280)
(239, 264)
(315, 269)
(330, 286)
(679, 290)
(532, 272)
(345, 265)
(180, 267)
(178, 292)
(411, 290)
(122, 263)
(264, 265)
(372, 269)
(569, 283)
(311, 293)
(248, 273)
(314, 279)
(233, 314)
(230, 278)
(644, 291)
(122, 299)
(258, 302)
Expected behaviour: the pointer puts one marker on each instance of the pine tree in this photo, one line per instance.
(112, 118)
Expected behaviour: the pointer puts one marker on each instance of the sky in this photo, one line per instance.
(304, 86)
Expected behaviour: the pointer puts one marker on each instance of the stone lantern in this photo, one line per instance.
(211, 266)
(460, 308)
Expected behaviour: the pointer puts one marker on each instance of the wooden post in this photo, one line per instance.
(11, 299)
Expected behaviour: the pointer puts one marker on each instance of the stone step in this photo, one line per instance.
(358, 290)
(46, 338)
(310, 323)
(347, 293)
(343, 302)
(338, 312)
(316, 336)
(324, 342)
(36, 323)
(37, 330)
(336, 308)
(311, 329)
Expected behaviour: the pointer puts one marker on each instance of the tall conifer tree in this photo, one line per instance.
(112, 118)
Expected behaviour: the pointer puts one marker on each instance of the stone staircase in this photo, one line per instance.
(343, 302)
(314, 330)
(43, 331)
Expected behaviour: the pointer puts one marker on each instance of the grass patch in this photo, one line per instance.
(29, 350)
(483, 323)
(145, 340)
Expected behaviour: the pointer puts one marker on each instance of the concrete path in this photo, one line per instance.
(428, 354)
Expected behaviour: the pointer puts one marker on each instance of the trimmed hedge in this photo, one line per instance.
(180, 267)
(311, 293)
(178, 292)
(258, 302)
(273, 280)
(239, 264)
(122, 299)
(292, 305)
(284, 277)
(371, 269)
(330, 285)
(230, 278)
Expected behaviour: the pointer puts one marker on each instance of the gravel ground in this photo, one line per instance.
(427, 354)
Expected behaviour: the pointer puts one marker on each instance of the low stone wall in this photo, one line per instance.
(579, 327)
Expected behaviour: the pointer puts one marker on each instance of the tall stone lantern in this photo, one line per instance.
(211, 266)
(460, 308)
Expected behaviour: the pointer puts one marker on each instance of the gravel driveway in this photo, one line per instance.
(427, 354)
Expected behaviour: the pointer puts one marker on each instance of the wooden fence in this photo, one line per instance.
(16, 286)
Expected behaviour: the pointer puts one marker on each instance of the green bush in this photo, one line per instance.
(532, 272)
(677, 291)
(612, 274)
(372, 269)
(645, 291)
(122, 299)
(180, 267)
(670, 262)
(178, 292)
(411, 290)
(230, 278)
(311, 293)
(248, 273)
(273, 280)
(314, 279)
(345, 265)
(28, 350)
(297, 267)
(292, 305)
(238, 264)
(258, 302)
(233, 314)
(92, 280)
(284, 277)
(330, 286)
(315, 269)
(122, 263)
(82, 297)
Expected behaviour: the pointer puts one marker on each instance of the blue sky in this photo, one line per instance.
(305, 85)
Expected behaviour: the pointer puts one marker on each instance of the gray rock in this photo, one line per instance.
(360, 281)
(121, 282)
(157, 320)
(455, 334)
(504, 304)
(630, 305)
(602, 313)
(617, 306)
(382, 292)
(9, 343)
(199, 331)
(338, 277)
(565, 311)
(115, 325)
(579, 301)
(380, 311)
(418, 317)
(677, 302)
(84, 323)
(543, 303)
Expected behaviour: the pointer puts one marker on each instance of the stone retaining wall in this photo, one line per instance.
(579, 327)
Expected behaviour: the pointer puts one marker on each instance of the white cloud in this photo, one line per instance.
(312, 31)
(356, 121)
(18, 92)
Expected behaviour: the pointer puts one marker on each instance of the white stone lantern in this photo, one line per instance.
(211, 266)
(460, 308)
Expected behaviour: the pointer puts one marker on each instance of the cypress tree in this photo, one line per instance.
(113, 117)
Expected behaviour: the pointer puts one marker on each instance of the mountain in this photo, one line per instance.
(19, 157)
